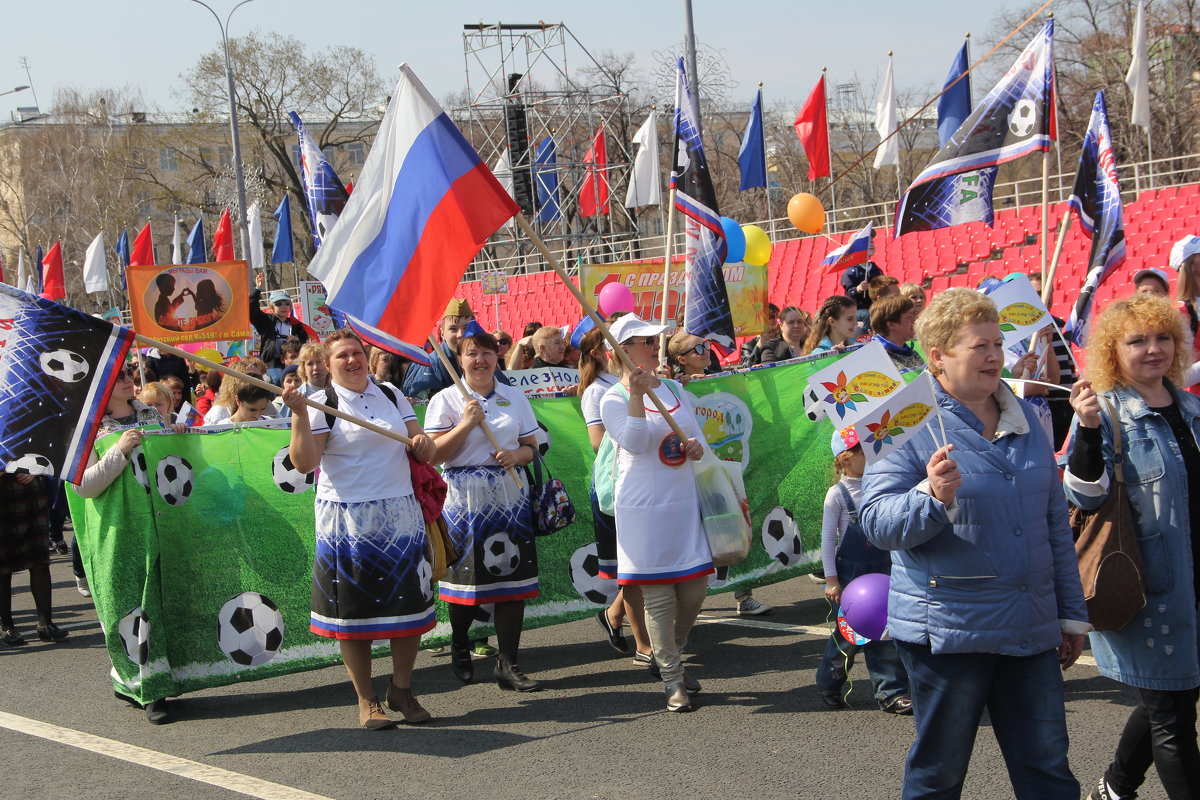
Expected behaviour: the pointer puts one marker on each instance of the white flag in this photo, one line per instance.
(503, 172)
(855, 385)
(95, 266)
(644, 183)
(25, 281)
(1022, 312)
(177, 256)
(1138, 76)
(885, 122)
(897, 419)
(254, 228)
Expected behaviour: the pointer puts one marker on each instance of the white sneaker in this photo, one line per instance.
(82, 585)
(749, 607)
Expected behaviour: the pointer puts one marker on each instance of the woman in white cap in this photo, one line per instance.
(660, 539)
(1185, 257)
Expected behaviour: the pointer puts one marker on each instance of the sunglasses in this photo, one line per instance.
(649, 341)
(504, 341)
(281, 303)
(699, 349)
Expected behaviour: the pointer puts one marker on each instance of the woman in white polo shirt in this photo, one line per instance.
(371, 573)
(660, 540)
(488, 516)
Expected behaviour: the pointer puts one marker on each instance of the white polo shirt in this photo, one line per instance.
(506, 410)
(590, 402)
(360, 465)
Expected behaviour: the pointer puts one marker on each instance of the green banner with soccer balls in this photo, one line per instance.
(200, 554)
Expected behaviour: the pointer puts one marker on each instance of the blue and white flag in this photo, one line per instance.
(707, 314)
(1015, 119)
(545, 178)
(57, 369)
(752, 155)
(324, 190)
(197, 254)
(1096, 200)
(281, 251)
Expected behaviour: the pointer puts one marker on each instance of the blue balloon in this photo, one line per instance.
(736, 240)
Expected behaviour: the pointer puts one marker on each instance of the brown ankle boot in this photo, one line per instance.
(371, 716)
(405, 702)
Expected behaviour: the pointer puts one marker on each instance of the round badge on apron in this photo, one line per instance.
(670, 452)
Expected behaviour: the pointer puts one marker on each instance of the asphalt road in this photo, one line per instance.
(599, 730)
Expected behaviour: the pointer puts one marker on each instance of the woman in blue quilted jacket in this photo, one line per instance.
(985, 604)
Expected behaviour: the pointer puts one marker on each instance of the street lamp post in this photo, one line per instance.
(239, 176)
(14, 90)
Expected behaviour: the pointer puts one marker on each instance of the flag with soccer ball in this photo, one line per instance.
(57, 369)
(1014, 119)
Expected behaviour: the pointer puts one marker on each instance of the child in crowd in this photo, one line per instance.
(289, 380)
(158, 397)
(252, 401)
(847, 554)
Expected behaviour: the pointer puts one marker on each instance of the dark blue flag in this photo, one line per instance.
(1015, 119)
(122, 249)
(752, 156)
(196, 252)
(707, 313)
(57, 369)
(1096, 200)
(39, 267)
(545, 177)
(282, 252)
(324, 190)
(954, 106)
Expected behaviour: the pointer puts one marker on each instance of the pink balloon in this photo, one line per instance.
(615, 297)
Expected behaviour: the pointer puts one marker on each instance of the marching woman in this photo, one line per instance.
(594, 381)
(489, 517)
(661, 545)
(371, 574)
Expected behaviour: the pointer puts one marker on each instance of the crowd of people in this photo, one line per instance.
(985, 609)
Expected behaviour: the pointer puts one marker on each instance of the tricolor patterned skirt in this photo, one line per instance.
(490, 525)
(371, 573)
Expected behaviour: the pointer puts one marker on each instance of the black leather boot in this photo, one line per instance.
(510, 677)
(460, 662)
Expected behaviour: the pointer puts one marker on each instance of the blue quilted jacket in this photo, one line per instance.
(997, 572)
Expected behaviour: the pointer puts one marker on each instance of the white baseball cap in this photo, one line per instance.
(1182, 250)
(1152, 272)
(630, 325)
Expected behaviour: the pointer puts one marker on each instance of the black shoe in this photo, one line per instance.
(124, 698)
(156, 712)
(510, 678)
(615, 637)
(460, 662)
(51, 633)
(12, 638)
(60, 548)
(833, 700)
(901, 706)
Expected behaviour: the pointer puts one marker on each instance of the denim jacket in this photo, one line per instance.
(995, 572)
(1159, 648)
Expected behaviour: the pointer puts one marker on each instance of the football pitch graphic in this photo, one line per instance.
(200, 555)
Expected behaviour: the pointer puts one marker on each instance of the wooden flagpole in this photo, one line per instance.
(487, 429)
(668, 248)
(590, 310)
(253, 381)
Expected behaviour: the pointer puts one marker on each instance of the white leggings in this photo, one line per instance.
(671, 610)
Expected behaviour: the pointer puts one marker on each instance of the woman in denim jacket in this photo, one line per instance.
(1136, 352)
(985, 604)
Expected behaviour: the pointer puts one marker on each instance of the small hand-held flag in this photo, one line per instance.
(752, 155)
(424, 206)
(196, 250)
(855, 251)
(707, 313)
(223, 238)
(282, 251)
(1096, 200)
(645, 185)
(95, 266)
(53, 283)
(852, 387)
(812, 126)
(57, 369)
(593, 192)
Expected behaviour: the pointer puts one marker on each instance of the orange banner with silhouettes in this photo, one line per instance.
(190, 303)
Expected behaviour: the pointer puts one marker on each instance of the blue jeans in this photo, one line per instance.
(1023, 696)
(883, 665)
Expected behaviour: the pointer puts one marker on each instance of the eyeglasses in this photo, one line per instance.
(281, 303)
(504, 341)
(699, 349)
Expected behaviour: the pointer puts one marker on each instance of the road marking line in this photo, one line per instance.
(182, 767)
(811, 630)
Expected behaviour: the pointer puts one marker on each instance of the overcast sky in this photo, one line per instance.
(784, 43)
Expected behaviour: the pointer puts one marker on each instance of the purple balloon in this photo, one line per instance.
(865, 604)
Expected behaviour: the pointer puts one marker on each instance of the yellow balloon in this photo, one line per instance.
(758, 246)
(210, 354)
(806, 212)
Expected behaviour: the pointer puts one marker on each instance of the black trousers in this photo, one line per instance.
(1160, 731)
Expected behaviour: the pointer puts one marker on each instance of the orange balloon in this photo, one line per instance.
(806, 212)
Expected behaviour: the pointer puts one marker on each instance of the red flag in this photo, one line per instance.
(350, 188)
(223, 239)
(593, 192)
(53, 285)
(812, 127)
(143, 249)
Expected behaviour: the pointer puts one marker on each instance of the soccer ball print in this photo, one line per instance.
(66, 365)
(584, 569)
(173, 478)
(500, 555)
(781, 537)
(286, 476)
(250, 629)
(134, 630)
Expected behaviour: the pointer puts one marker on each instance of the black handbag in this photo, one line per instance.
(551, 507)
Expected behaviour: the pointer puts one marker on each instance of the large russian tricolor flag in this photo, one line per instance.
(855, 251)
(422, 208)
